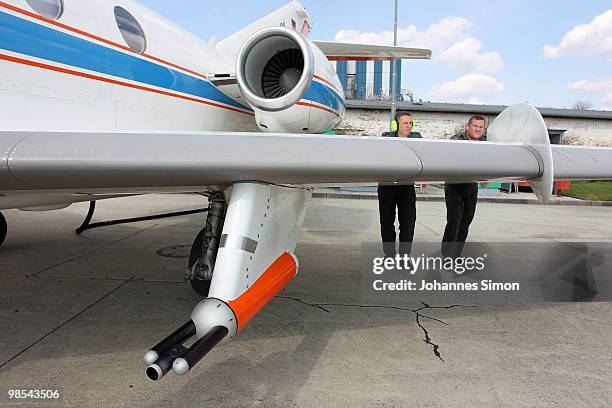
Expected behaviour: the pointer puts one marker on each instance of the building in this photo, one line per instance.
(442, 120)
(369, 80)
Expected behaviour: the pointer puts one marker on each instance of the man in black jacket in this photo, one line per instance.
(402, 196)
(461, 198)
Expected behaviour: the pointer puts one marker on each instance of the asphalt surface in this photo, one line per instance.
(77, 314)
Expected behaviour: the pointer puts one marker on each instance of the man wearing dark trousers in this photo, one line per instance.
(401, 196)
(461, 198)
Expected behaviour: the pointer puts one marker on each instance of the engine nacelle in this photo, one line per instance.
(281, 74)
(275, 68)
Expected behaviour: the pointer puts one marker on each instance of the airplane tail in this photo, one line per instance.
(292, 16)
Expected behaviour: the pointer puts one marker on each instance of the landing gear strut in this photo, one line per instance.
(206, 244)
(3, 228)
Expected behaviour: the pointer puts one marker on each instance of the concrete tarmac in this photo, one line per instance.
(77, 314)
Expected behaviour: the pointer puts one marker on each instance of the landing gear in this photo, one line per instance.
(3, 228)
(200, 284)
(205, 246)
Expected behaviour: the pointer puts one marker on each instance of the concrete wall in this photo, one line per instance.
(591, 132)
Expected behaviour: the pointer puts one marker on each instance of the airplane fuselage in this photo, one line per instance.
(78, 72)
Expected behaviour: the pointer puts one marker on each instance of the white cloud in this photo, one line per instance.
(468, 86)
(449, 35)
(437, 35)
(465, 54)
(442, 33)
(585, 40)
(596, 86)
(472, 88)
(355, 36)
(601, 84)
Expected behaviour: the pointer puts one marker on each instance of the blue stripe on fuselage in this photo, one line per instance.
(29, 38)
(26, 37)
(324, 95)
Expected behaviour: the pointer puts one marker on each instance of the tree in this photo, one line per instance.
(582, 105)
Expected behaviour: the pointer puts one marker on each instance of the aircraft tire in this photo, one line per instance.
(200, 286)
(3, 228)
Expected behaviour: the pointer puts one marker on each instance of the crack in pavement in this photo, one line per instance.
(315, 305)
(91, 251)
(429, 229)
(427, 339)
(77, 277)
(105, 278)
(67, 321)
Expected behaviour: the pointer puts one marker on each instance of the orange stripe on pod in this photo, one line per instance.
(276, 277)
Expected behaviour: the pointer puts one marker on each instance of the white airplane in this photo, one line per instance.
(106, 98)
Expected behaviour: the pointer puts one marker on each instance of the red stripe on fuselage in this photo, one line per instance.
(93, 36)
(113, 81)
(326, 81)
(318, 107)
(123, 47)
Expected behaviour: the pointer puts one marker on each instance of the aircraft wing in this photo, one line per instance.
(578, 162)
(348, 51)
(134, 162)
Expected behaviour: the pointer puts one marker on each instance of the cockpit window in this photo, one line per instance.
(130, 30)
(51, 9)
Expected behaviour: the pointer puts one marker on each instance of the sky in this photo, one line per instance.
(548, 53)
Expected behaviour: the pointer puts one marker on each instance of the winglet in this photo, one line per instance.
(523, 123)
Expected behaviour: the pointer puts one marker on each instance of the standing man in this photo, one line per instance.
(461, 198)
(402, 196)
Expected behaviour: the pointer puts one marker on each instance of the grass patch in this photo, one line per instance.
(591, 190)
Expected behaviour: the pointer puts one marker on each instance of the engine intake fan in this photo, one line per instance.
(275, 68)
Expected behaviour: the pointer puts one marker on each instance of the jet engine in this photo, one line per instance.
(275, 68)
(277, 75)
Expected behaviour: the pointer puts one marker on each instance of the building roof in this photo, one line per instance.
(474, 109)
